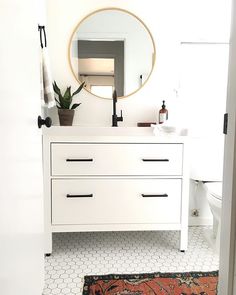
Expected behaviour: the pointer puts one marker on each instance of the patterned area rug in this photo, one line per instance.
(189, 283)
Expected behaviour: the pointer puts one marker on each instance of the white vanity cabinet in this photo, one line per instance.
(114, 182)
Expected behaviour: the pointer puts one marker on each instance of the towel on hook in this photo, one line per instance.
(47, 92)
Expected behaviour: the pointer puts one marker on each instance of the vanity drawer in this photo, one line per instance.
(110, 201)
(116, 159)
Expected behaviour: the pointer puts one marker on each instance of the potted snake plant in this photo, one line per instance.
(65, 107)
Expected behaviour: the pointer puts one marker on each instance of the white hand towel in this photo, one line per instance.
(47, 92)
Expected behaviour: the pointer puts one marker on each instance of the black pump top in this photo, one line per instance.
(163, 106)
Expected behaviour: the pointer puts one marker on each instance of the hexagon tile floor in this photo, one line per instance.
(78, 254)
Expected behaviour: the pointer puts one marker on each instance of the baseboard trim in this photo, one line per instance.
(198, 221)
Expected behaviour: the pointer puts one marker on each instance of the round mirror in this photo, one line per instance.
(111, 49)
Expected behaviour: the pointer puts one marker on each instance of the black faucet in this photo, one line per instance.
(115, 118)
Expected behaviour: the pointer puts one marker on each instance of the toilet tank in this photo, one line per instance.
(206, 158)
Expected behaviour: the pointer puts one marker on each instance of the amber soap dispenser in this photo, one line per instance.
(163, 113)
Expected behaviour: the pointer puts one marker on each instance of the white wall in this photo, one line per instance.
(191, 79)
(63, 20)
(198, 201)
(165, 21)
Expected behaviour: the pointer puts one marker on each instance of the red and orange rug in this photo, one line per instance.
(188, 283)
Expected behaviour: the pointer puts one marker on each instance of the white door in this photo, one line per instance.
(228, 218)
(21, 197)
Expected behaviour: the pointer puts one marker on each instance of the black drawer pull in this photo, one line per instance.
(155, 160)
(79, 196)
(79, 160)
(155, 196)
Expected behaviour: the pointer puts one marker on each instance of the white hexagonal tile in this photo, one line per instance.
(59, 281)
(78, 254)
(56, 291)
(52, 272)
(69, 271)
(49, 281)
(47, 291)
(52, 286)
(65, 291)
(73, 275)
(76, 290)
(62, 285)
(55, 276)
(77, 280)
(68, 280)
(71, 285)
(64, 276)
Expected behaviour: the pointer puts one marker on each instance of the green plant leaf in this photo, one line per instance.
(67, 98)
(63, 103)
(66, 105)
(75, 105)
(58, 103)
(79, 89)
(67, 94)
(56, 88)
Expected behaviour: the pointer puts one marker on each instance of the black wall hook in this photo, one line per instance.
(42, 29)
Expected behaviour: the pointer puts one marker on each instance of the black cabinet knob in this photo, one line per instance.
(47, 122)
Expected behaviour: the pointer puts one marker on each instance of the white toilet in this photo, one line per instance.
(207, 169)
(214, 197)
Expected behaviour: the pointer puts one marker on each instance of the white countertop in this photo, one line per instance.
(111, 134)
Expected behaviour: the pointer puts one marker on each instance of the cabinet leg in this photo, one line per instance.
(48, 243)
(183, 240)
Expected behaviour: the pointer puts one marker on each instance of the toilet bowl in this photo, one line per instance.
(206, 168)
(214, 197)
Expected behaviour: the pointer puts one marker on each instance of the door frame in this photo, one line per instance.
(106, 49)
(228, 218)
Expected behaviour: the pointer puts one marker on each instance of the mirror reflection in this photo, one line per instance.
(111, 49)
